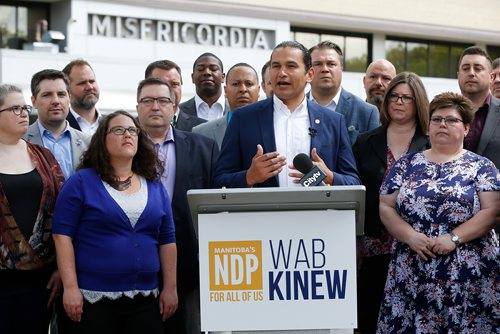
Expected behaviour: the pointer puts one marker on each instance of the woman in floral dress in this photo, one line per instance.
(441, 205)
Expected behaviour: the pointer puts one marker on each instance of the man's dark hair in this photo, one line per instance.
(475, 50)
(166, 65)
(264, 69)
(495, 63)
(241, 65)
(76, 62)
(306, 56)
(329, 45)
(208, 54)
(48, 74)
(145, 162)
(154, 82)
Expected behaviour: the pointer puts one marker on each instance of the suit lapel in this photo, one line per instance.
(378, 141)
(315, 127)
(182, 154)
(34, 136)
(266, 122)
(491, 122)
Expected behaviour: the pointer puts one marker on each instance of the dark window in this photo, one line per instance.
(18, 22)
(493, 51)
(426, 58)
(356, 47)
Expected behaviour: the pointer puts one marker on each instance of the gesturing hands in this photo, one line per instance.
(264, 166)
(316, 159)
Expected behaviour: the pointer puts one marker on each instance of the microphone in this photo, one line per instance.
(313, 175)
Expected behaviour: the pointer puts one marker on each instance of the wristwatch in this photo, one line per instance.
(454, 238)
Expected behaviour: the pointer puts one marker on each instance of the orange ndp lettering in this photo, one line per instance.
(235, 265)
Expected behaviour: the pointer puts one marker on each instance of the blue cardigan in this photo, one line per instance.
(111, 255)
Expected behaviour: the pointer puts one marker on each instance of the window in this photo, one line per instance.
(18, 22)
(425, 58)
(493, 51)
(356, 47)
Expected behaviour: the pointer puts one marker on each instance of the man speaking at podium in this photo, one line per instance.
(263, 138)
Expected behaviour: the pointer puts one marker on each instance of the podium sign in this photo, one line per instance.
(277, 270)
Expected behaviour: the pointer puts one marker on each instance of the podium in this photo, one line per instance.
(278, 260)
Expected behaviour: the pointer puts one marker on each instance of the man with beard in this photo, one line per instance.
(84, 92)
(378, 76)
(326, 90)
(209, 102)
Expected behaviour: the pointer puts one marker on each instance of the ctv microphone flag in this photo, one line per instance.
(313, 175)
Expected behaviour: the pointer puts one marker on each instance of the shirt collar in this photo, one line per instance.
(78, 117)
(279, 105)
(335, 99)
(221, 101)
(44, 131)
(169, 137)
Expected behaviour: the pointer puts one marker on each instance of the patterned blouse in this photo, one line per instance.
(16, 252)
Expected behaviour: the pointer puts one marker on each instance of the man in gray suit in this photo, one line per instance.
(242, 88)
(474, 75)
(327, 91)
(208, 102)
(50, 96)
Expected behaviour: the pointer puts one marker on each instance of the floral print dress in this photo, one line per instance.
(454, 293)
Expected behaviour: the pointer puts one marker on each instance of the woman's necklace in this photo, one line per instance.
(123, 185)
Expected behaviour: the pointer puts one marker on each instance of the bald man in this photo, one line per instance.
(378, 75)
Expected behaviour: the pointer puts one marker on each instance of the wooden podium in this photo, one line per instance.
(278, 260)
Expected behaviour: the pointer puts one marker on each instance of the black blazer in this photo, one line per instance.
(73, 122)
(188, 118)
(195, 159)
(370, 152)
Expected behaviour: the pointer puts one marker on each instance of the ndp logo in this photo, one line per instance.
(235, 265)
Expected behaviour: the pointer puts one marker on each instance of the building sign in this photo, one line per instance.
(277, 270)
(180, 32)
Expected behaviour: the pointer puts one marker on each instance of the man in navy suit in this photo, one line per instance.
(263, 138)
(327, 91)
(188, 161)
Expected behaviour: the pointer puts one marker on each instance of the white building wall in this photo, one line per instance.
(119, 63)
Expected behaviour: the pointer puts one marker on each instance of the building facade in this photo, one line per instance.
(121, 37)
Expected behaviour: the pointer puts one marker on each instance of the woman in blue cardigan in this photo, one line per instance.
(114, 233)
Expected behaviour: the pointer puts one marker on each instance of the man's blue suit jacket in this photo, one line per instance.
(254, 124)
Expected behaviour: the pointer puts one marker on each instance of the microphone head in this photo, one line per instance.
(303, 163)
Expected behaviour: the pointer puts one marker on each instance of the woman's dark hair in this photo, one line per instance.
(145, 162)
(421, 100)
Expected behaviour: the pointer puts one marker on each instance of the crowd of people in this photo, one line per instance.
(95, 230)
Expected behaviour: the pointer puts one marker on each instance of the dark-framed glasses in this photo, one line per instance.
(406, 99)
(437, 120)
(120, 130)
(17, 109)
(150, 101)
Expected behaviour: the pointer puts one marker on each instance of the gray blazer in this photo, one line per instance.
(489, 143)
(79, 141)
(214, 129)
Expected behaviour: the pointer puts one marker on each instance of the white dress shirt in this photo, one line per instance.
(332, 105)
(210, 113)
(291, 132)
(86, 127)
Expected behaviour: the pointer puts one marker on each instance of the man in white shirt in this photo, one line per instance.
(84, 92)
(208, 102)
(263, 138)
